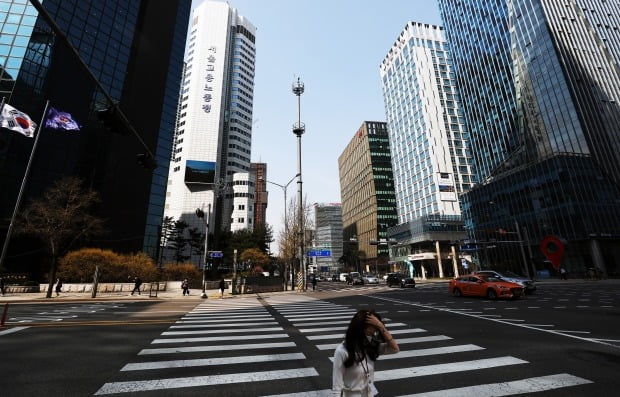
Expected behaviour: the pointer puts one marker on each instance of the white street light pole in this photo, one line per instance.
(284, 189)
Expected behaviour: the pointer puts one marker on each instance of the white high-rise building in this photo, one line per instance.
(210, 164)
(428, 140)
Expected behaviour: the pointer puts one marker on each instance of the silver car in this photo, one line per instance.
(528, 284)
(371, 279)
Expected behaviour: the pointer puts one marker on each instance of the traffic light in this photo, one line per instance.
(113, 120)
(147, 161)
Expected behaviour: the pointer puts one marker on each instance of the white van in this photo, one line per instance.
(343, 276)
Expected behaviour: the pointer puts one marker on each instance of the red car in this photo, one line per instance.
(490, 287)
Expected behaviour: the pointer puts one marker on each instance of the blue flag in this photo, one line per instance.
(60, 120)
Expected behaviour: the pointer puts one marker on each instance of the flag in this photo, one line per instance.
(15, 120)
(60, 120)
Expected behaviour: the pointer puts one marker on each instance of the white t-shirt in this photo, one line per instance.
(352, 381)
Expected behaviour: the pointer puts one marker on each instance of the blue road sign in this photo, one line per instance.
(319, 253)
(216, 254)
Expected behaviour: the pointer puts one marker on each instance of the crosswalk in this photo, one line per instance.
(224, 346)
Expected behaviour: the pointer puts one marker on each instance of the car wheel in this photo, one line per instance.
(491, 294)
(456, 292)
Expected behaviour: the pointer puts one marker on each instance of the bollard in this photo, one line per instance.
(4, 313)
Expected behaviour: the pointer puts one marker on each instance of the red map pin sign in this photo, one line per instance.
(553, 248)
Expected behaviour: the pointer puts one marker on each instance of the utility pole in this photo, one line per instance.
(298, 129)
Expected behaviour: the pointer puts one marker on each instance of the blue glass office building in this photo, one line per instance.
(135, 49)
(540, 86)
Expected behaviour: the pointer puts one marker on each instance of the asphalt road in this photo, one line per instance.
(562, 341)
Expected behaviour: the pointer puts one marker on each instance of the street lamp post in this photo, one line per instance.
(298, 129)
(284, 188)
(206, 219)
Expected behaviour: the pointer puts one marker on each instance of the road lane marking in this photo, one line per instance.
(421, 339)
(435, 369)
(308, 330)
(213, 348)
(219, 324)
(498, 321)
(217, 338)
(212, 361)
(11, 330)
(221, 331)
(429, 352)
(227, 318)
(529, 385)
(323, 323)
(194, 381)
(393, 332)
(314, 315)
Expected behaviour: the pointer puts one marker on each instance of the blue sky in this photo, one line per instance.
(335, 47)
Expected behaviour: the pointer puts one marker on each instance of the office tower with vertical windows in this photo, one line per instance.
(367, 195)
(428, 142)
(327, 237)
(114, 39)
(261, 195)
(541, 85)
(210, 167)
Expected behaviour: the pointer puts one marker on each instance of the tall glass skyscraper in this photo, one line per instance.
(542, 86)
(213, 140)
(428, 141)
(135, 50)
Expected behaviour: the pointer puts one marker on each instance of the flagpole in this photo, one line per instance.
(21, 189)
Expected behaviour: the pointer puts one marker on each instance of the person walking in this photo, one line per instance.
(185, 287)
(222, 288)
(58, 286)
(314, 282)
(2, 285)
(354, 359)
(137, 283)
(563, 273)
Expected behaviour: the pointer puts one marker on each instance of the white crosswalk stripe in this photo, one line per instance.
(218, 338)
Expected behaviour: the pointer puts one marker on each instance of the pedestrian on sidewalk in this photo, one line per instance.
(2, 285)
(314, 282)
(354, 359)
(563, 273)
(58, 286)
(222, 288)
(185, 287)
(137, 283)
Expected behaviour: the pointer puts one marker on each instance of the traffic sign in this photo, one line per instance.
(216, 254)
(319, 253)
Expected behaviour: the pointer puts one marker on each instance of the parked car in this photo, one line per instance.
(371, 279)
(506, 275)
(355, 278)
(343, 276)
(486, 286)
(399, 279)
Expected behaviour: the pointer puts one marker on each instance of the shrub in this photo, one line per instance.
(79, 266)
(176, 272)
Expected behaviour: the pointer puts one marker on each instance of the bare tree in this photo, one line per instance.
(289, 237)
(61, 219)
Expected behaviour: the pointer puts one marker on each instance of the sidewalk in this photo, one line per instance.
(175, 293)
